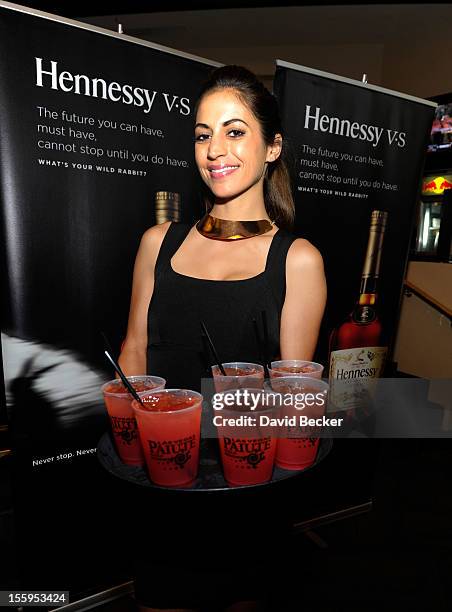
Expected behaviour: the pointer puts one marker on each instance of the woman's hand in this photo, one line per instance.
(304, 303)
(133, 354)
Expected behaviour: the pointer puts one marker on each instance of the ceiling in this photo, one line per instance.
(282, 26)
(74, 9)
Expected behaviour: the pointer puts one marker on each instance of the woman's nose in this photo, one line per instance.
(217, 147)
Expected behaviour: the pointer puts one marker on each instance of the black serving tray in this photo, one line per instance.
(210, 475)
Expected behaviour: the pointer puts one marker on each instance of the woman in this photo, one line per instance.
(238, 260)
(238, 150)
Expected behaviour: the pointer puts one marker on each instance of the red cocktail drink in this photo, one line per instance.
(239, 374)
(247, 447)
(169, 425)
(295, 367)
(123, 423)
(302, 399)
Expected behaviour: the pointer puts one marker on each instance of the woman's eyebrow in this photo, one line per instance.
(225, 123)
(233, 121)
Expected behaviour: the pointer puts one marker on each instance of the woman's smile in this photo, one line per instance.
(221, 171)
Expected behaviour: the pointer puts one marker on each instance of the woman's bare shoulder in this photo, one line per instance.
(150, 244)
(153, 237)
(303, 255)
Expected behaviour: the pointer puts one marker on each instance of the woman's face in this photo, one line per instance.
(230, 152)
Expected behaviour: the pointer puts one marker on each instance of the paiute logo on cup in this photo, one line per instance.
(172, 452)
(250, 452)
(125, 428)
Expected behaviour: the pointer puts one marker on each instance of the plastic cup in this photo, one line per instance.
(169, 425)
(239, 374)
(295, 367)
(247, 449)
(123, 423)
(303, 396)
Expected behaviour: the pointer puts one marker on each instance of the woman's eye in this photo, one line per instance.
(201, 137)
(236, 133)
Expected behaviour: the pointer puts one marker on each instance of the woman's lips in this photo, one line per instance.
(220, 172)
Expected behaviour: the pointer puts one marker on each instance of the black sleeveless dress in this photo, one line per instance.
(192, 557)
(179, 303)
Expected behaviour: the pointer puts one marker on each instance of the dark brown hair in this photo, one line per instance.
(251, 92)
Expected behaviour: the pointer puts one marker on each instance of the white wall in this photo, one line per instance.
(424, 339)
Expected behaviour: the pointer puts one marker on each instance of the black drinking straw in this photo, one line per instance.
(265, 326)
(212, 348)
(127, 384)
(259, 345)
(107, 342)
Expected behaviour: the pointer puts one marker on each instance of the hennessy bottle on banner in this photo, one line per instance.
(357, 351)
(167, 206)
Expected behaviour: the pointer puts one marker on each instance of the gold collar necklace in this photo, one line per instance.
(225, 229)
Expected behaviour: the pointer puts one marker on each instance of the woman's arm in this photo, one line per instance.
(133, 355)
(304, 303)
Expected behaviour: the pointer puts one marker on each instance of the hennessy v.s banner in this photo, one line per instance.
(96, 146)
(359, 152)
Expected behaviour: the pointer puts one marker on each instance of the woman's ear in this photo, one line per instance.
(274, 150)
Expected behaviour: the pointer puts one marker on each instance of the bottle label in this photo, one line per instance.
(365, 315)
(353, 374)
